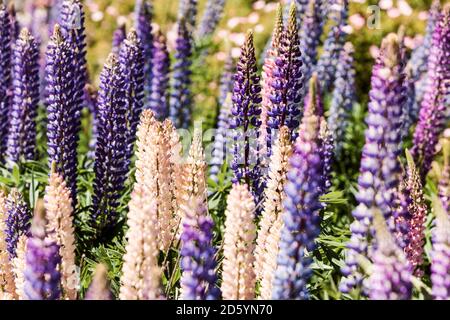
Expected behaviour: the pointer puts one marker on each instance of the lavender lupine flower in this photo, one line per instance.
(211, 18)
(343, 97)
(18, 218)
(301, 208)
(41, 275)
(15, 25)
(5, 75)
(444, 181)
(326, 154)
(180, 94)
(245, 117)
(160, 73)
(25, 86)
(226, 80)
(99, 288)
(310, 32)
(433, 108)
(187, 9)
(119, 35)
(61, 110)
(390, 277)
(143, 24)
(440, 253)
(287, 82)
(132, 65)
(333, 45)
(110, 153)
(379, 171)
(198, 263)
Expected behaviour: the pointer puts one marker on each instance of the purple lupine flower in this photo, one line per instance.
(160, 73)
(444, 181)
(180, 94)
(187, 9)
(61, 109)
(440, 253)
(131, 62)
(5, 75)
(21, 142)
(211, 18)
(379, 171)
(343, 97)
(143, 25)
(226, 80)
(18, 218)
(245, 118)
(301, 216)
(326, 154)
(110, 165)
(42, 279)
(198, 262)
(390, 278)
(15, 25)
(119, 35)
(333, 45)
(287, 82)
(310, 32)
(433, 108)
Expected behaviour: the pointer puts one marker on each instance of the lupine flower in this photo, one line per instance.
(61, 110)
(187, 9)
(379, 171)
(245, 118)
(343, 97)
(287, 82)
(390, 277)
(132, 65)
(333, 45)
(15, 25)
(211, 18)
(326, 154)
(444, 182)
(143, 24)
(433, 108)
(60, 229)
(110, 153)
(99, 288)
(310, 32)
(18, 266)
(140, 272)
(5, 75)
(18, 218)
(271, 222)
(220, 146)
(41, 276)
(25, 86)
(160, 73)
(440, 253)
(198, 254)
(301, 207)
(238, 275)
(180, 95)
(119, 35)
(7, 285)
(226, 80)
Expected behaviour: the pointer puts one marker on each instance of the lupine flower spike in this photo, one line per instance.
(238, 275)
(160, 72)
(18, 266)
(119, 35)
(61, 113)
(440, 253)
(5, 75)
(140, 272)
(267, 243)
(180, 95)
(41, 276)
(390, 277)
(211, 18)
(110, 153)
(433, 108)
(245, 121)
(7, 285)
(198, 263)
(301, 208)
(99, 288)
(444, 182)
(15, 25)
(18, 218)
(60, 229)
(187, 9)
